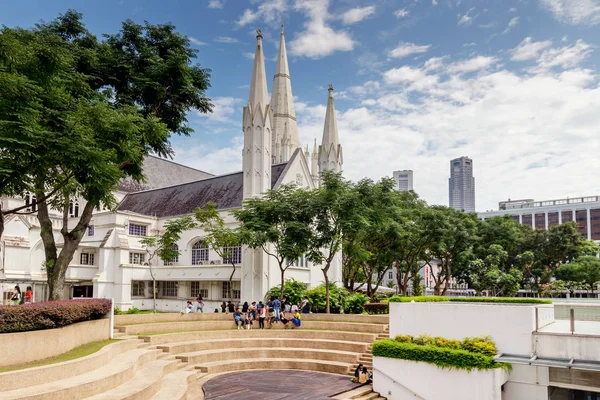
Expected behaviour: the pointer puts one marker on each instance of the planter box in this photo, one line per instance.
(402, 379)
(511, 326)
(23, 347)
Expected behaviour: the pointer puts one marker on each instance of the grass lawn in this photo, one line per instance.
(77, 352)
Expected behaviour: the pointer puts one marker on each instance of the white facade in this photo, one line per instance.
(548, 360)
(462, 184)
(110, 261)
(544, 214)
(403, 180)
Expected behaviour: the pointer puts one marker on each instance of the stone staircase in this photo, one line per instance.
(170, 356)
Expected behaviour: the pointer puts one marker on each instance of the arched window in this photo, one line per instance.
(199, 253)
(176, 258)
(76, 213)
(71, 209)
(232, 255)
(33, 203)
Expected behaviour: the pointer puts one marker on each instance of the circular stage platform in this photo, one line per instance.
(276, 385)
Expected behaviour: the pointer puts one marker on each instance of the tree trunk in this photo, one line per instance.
(327, 309)
(1, 224)
(282, 278)
(231, 283)
(57, 264)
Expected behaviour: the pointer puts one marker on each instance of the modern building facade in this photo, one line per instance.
(544, 214)
(462, 184)
(111, 261)
(404, 180)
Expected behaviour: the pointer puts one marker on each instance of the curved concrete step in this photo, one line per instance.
(243, 342)
(207, 356)
(225, 325)
(366, 338)
(176, 385)
(333, 367)
(146, 382)
(119, 370)
(54, 372)
(360, 391)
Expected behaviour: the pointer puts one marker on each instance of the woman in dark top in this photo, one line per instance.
(245, 307)
(223, 307)
(230, 306)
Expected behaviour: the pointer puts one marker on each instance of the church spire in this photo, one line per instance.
(258, 85)
(330, 151)
(282, 103)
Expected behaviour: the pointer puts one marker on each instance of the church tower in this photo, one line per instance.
(330, 151)
(284, 116)
(257, 127)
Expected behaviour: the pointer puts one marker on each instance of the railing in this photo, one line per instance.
(416, 395)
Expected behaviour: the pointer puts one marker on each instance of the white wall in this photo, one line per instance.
(510, 326)
(581, 347)
(402, 379)
(526, 382)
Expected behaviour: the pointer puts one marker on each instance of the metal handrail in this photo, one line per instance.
(399, 384)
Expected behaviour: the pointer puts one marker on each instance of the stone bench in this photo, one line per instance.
(232, 353)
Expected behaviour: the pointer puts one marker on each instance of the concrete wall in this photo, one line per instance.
(526, 382)
(401, 379)
(510, 326)
(22, 347)
(566, 345)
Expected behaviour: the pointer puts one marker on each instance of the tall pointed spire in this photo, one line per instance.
(258, 85)
(330, 151)
(282, 103)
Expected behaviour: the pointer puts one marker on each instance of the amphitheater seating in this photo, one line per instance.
(170, 356)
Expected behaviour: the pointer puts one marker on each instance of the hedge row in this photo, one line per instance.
(433, 299)
(51, 314)
(377, 308)
(482, 345)
(440, 356)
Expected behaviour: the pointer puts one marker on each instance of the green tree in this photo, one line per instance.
(294, 291)
(335, 207)
(88, 113)
(221, 239)
(584, 270)
(280, 223)
(163, 246)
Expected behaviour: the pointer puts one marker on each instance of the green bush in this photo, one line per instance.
(440, 356)
(403, 338)
(482, 345)
(118, 311)
(293, 290)
(355, 303)
(337, 298)
(133, 310)
(433, 299)
(377, 308)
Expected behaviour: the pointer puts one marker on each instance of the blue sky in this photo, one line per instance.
(512, 84)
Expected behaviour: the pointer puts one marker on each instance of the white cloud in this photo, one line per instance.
(401, 13)
(434, 63)
(575, 12)
(225, 39)
(466, 19)
(512, 10)
(469, 44)
(488, 25)
(474, 64)
(319, 39)
(529, 50)
(434, 2)
(565, 57)
(406, 49)
(249, 55)
(195, 41)
(268, 12)
(216, 3)
(511, 24)
(224, 108)
(357, 14)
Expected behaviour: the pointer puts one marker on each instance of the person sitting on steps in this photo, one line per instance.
(237, 317)
(364, 377)
(357, 373)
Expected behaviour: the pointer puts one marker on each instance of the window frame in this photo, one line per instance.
(89, 258)
(90, 230)
(141, 258)
(200, 254)
(236, 254)
(135, 288)
(165, 289)
(142, 227)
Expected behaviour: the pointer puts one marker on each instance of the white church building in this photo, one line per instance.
(110, 261)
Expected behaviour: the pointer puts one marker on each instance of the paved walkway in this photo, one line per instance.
(276, 385)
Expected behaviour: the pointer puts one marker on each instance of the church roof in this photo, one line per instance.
(161, 172)
(224, 190)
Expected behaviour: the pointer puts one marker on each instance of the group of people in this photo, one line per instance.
(362, 375)
(20, 298)
(274, 311)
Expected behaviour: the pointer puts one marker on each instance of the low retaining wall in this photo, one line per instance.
(23, 347)
(402, 379)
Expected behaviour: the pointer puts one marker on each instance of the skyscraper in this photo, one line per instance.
(462, 184)
(404, 180)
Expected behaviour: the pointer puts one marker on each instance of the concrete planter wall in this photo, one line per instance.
(511, 326)
(402, 379)
(23, 347)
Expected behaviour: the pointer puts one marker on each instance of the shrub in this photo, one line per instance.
(403, 338)
(355, 303)
(118, 311)
(377, 308)
(133, 310)
(51, 314)
(423, 340)
(337, 298)
(433, 299)
(483, 345)
(293, 290)
(440, 356)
